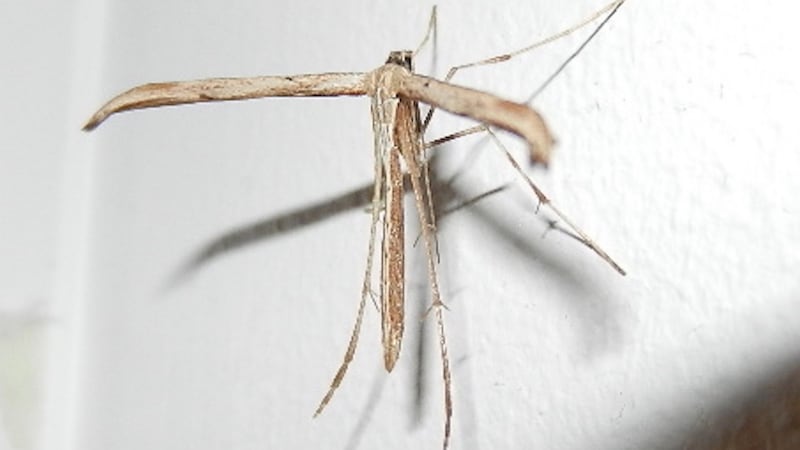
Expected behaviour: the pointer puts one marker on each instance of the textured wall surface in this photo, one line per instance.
(675, 152)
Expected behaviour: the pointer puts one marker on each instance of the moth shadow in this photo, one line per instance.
(271, 227)
(268, 228)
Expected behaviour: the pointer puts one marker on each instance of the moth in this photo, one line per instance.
(395, 93)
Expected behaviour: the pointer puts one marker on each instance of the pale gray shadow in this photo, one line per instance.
(367, 410)
(757, 414)
(261, 230)
(251, 233)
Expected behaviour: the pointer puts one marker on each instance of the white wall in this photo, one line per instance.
(676, 153)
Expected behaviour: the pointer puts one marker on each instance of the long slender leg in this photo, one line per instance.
(613, 6)
(365, 291)
(379, 136)
(544, 200)
(458, 134)
(540, 195)
(431, 32)
(426, 182)
(409, 141)
(507, 56)
(428, 235)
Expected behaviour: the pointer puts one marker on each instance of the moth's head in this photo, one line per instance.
(403, 58)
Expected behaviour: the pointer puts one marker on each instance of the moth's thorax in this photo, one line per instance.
(403, 58)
